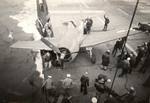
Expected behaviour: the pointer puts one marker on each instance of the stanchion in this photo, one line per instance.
(123, 46)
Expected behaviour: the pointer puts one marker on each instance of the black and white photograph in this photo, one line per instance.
(74, 51)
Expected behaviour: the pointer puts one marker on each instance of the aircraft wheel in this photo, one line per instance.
(93, 59)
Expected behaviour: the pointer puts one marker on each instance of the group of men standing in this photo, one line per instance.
(88, 22)
(127, 61)
(50, 89)
(143, 57)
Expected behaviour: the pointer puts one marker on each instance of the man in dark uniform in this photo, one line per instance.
(106, 60)
(125, 67)
(46, 60)
(100, 83)
(148, 48)
(116, 47)
(145, 64)
(89, 25)
(84, 83)
(49, 88)
(132, 62)
(129, 97)
(139, 56)
(106, 23)
(147, 82)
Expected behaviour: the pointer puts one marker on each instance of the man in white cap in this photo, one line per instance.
(67, 84)
(129, 96)
(84, 83)
(94, 100)
(48, 85)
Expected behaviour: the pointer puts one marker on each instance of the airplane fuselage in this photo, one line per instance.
(70, 38)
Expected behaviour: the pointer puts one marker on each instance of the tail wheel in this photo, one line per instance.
(93, 59)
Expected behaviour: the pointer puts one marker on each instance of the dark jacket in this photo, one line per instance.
(105, 59)
(84, 80)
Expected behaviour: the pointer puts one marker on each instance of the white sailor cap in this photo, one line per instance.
(109, 80)
(86, 73)
(49, 76)
(68, 75)
(128, 58)
(108, 51)
(94, 100)
(132, 88)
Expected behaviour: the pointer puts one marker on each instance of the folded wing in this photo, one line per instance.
(36, 45)
(105, 36)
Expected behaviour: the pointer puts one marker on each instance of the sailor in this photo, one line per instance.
(85, 26)
(106, 60)
(46, 60)
(49, 87)
(139, 55)
(89, 23)
(125, 66)
(94, 100)
(129, 96)
(67, 84)
(100, 83)
(132, 62)
(116, 47)
(84, 83)
(106, 23)
(62, 57)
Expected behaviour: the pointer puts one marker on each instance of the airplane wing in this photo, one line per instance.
(96, 38)
(35, 45)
